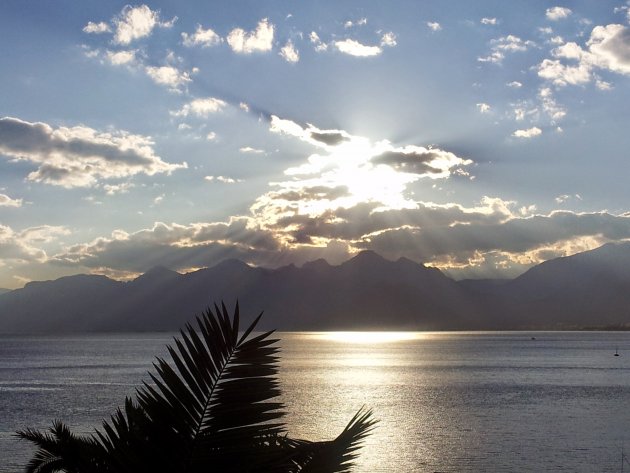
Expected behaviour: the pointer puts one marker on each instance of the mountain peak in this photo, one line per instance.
(316, 265)
(158, 273)
(366, 257)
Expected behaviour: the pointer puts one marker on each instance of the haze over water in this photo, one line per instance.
(465, 402)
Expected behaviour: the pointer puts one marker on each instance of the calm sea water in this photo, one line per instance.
(448, 402)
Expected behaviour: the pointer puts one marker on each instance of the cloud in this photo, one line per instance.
(179, 247)
(259, 40)
(359, 22)
(515, 84)
(122, 188)
(202, 107)
(118, 58)
(211, 136)
(423, 162)
(250, 150)
(550, 106)
(434, 25)
(365, 171)
(137, 22)
(561, 199)
(204, 38)
(388, 39)
(223, 179)
(310, 133)
(503, 45)
(79, 156)
(483, 107)
(169, 76)
(557, 13)
(97, 28)
(608, 48)
(289, 53)
(488, 21)
(23, 246)
(354, 48)
(6, 201)
(317, 42)
(529, 133)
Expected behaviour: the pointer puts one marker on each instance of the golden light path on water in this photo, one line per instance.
(369, 337)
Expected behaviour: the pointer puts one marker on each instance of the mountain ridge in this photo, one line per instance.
(365, 292)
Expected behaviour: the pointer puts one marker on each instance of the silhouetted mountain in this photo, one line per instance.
(590, 288)
(3, 290)
(365, 292)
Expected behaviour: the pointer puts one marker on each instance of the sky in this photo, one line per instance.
(481, 138)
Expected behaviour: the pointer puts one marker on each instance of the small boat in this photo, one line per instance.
(616, 352)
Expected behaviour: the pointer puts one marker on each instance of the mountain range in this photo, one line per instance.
(590, 289)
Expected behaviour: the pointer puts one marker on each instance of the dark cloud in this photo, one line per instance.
(412, 162)
(330, 138)
(312, 193)
(79, 156)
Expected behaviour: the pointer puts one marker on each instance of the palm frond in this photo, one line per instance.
(213, 406)
(60, 450)
(338, 455)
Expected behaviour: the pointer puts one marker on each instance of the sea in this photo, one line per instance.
(446, 402)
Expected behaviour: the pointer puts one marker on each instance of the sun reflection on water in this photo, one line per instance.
(369, 337)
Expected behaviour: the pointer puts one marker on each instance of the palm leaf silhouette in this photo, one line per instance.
(215, 409)
(61, 450)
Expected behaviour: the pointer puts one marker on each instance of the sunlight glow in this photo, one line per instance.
(369, 337)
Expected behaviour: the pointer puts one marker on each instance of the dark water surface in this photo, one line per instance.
(448, 402)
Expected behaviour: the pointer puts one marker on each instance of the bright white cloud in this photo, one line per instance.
(483, 107)
(529, 133)
(79, 156)
(489, 21)
(388, 39)
(223, 179)
(96, 28)
(511, 43)
(434, 25)
(354, 48)
(549, 105)
(201, 37)
(515, 84)
(289, 53)
(259, 40)
(557, 13)
(350, 170)
(603, 85)
(608, 48)
(122, 188)
(212, 136)
(350, 23)
(169, 76)
(250, 150)
(6, 201)
(317, 42)
(561, 199)
(137, 22)
(24, 246)
(202, 107)
(504, 45)
(119, 58)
